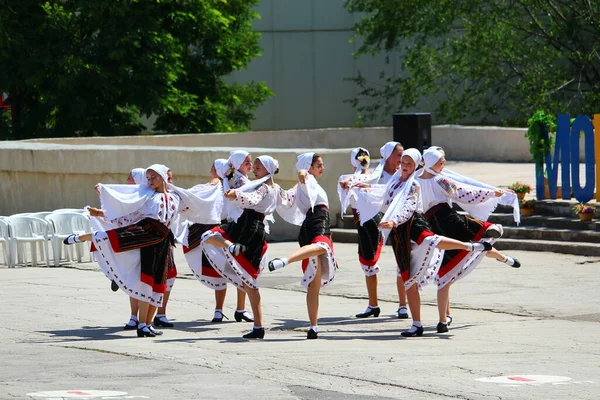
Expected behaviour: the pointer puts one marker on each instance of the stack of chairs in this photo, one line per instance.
(41, 231)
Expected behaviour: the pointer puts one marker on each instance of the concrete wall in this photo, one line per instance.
(44, 177)
(460, 142)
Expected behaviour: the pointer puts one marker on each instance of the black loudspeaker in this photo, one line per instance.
(413, 130)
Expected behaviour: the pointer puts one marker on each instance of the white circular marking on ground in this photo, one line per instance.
(525, 379)
(77, 394)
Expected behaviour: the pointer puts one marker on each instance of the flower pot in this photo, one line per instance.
(586, 216)
(526, 212)
(521, 196)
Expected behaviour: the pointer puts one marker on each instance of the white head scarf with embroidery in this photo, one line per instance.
(480, 211)
(398, 198)
(271, 165)
(370, 201)
(120, 200)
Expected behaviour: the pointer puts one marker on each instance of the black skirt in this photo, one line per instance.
(315, 224)
(447, 222)
(195, 233)
(155, 242)
(249, 230)
(415, 229)
(370, 239)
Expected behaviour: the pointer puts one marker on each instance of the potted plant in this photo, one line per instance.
(584, 211)
(541, 130)
(526, 207)
(520, 188)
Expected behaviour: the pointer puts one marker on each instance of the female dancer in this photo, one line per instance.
(391, 154)
(137, 176)
(438, 192)
(192, 250)
(237, 250)
(161, 319)
(316, 249)
(370, 240)
(240, 163)
(414, 244)
(143, 215)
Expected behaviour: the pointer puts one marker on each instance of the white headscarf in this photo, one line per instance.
(237, 157)
(480, 211)
(304, 161)
(160, 169)
(139, 176)
(386, 151)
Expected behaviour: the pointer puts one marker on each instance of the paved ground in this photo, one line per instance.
(529, 327)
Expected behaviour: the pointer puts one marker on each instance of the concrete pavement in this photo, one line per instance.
(533, 329)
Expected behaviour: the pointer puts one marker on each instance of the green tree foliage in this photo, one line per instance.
(481, 59)
(82, 68)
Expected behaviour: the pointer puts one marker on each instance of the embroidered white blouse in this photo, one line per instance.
(440, 189)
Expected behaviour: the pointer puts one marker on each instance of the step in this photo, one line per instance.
(507, 220)
(544, 233)
(583, 248)
(578, 248)
(548, 222)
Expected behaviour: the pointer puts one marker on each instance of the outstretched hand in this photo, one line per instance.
(230, 194)
(387, 224)
(302, 175)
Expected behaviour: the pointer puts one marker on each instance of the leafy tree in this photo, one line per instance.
(82, 68)
(481, 59)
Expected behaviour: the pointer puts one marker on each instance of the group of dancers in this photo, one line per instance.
(223, 225)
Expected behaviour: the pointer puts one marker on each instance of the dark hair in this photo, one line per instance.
(230, 175)
(315, 158)
(362, 152)
(276, 171)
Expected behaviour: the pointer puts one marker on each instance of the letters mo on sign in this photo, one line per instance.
(566, 152)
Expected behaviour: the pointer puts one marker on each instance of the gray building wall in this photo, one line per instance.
(307, 54)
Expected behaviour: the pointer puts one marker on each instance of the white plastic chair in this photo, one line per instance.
(5, 241)
(25, 230)
(70, 210)
(65, 224)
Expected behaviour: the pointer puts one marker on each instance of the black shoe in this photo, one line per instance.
(158, 322)
(442, 328)
(239, 316)
(66, 240)
(418, 332)
(271, 266)
(218, 319)
(448, 320)
(311, 334)
(113, 286)
(237, 249)
(145, 332)
(516, 264)
(486, 245)
(401, 313)
(255, 333)
(374, 311)
(131, 327)
(151, 329)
